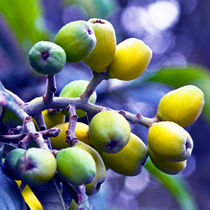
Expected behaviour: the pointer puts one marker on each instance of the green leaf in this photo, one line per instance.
(179, 76)
(10, 196)
(175, 185)
(49, 196)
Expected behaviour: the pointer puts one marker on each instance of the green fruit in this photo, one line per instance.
(81, 132)
(166, 166)
(170, 141)
(76, 165)
(47, 57)
(109, 131)
(182, 106)
(131, 59)
(95, 184)
(73, 90)
(77, 39)
(36, 167)
(11, 161)
(130, 159)
(104, 51)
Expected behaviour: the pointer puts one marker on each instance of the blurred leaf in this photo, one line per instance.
(25, 19)
(96, 8)
(180, 76)
(49, 196)
(175, 185)
(10, 196)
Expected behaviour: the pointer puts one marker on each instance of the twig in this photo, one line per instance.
(51, 89)
(40, 121)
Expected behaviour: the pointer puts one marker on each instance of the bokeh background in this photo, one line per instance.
(179, 34)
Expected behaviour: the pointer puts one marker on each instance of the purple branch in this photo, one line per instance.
(50, 90)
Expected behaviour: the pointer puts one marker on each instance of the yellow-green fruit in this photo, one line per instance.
(170, 141)
(130, 159)
(109, 131)
(95, 185)
(104, 51)
(36, 167)
(73, 205)
(73, 90)
(166, 166)
(131, 59)
(76, 165)
(81, 132)
(183, 105)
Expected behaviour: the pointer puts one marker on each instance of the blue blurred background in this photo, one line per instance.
(177, 31)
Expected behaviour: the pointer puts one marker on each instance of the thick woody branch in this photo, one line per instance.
(40, 122)
(51, 89)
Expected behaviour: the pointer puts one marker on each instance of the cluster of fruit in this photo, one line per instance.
(107, 142)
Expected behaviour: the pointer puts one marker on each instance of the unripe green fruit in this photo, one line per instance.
(104, 51)
(36, 167)
(76, 165)
(11, 161)
(73, 90)
(170, 141)
(131, 59)
(47, 57)
(182, 106)
(166, 166)
(77, 39)
(81, 132)
(130, 159)
(109, 131)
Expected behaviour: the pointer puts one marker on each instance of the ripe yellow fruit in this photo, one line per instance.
(104, 51)
(81, 132)
(130, 159)
(131, 59)
(170, 141)
(166, 166)
(183, 105)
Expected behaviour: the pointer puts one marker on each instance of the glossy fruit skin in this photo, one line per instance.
(36, 167)
(109, 131)
(73, 90)
(166, 166)
(11, 161)
(104, 51)
(95, 184)
(47, 57)
(182, 106)
(131, 59)
(81, 132)
(77, 39)
(130, 159)
(170, 141)
(76, 165)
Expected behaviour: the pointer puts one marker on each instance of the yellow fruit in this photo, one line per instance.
(95, 185)
(81, 132)
(104, 51)
(109, 131)
(166, 166)
(131, 59)
(130, 159)
(170, 141)
(183, 105)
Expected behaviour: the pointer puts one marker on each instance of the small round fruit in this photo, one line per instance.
(73, 90)
(182, 106)
(76, 165)
(81, 132)
(170, 141)
(166, 166)
(36, 167)
(131, 59)
(11, 161)
(104, 51)
(130, 159)
(109, 131)
(47, 57)
(77, 39)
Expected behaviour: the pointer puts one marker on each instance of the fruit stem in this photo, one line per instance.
(50, 89)
(94, 82)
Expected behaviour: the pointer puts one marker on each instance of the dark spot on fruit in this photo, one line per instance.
(187, 145)
(99, 21)
(29, 166)
(89, 31)
(45, 55)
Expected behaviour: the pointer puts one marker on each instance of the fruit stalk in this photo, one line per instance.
(51, 88)
(40, 121)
